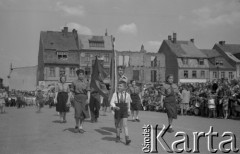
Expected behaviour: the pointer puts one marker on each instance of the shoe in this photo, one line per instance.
(117, 139)
(76, 130)
(64, 121)
(128, 142)
(137, 120)
(96, 120)
(170, 130)
(81, 130)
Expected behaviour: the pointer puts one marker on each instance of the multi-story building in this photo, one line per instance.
(231, 52)
(58, 54)
(142, 66)
(92, 46)
(184, 60)
(219, 67)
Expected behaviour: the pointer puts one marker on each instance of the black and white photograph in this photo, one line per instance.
(119, 76)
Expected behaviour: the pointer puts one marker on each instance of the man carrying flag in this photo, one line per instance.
(97, 88)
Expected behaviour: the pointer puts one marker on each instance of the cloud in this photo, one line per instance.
(128, 28)
(80, 28)
(154, 45)
(71, 10)
(222, 13)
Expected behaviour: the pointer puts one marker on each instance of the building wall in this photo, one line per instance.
(211, 76)
(141, 61)
(23, 78)
(171, 61)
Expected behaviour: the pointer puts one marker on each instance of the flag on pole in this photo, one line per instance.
(97, 77)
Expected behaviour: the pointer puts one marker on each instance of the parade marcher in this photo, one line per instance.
(120, 102)
(39, 100)
(169, 91)
(81, 90)
(105, 102)
(185, 100)
(62, 99)
(51, 96)
(94, 105)
(3, 96)
(121, 76)
(135, 94)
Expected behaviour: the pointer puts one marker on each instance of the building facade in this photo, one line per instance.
(58, 55)
(184, 60)
(142, 66)
(231, 52)
(92, 47)
(219, 67)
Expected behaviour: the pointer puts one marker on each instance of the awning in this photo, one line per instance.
(192, 80)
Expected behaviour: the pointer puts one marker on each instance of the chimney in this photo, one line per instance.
(192, 40)
(106, 33)
(222, 42)
(170, 37)
(174, 40)
(65, 30)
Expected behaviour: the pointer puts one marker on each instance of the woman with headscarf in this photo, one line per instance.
(169, 91)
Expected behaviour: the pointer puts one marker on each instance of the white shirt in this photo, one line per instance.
(114, 99)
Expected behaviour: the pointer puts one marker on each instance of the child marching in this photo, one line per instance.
(120, 102)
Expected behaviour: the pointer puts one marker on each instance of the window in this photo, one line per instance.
(153, 76)
(221, 63)
(87, 57)
(222, 74)
(136, 75)
(52, 72)
(202, 74)
(201, 62)
(230, 75)
(62, 55)
(106, 58)
(153, 61)
(214, 74)
(185, 74)
(126, 61)
(185, 61)
(62, 71)
(120, 60)
(194, 74)
(97, 44)
(123, 60)
(216, 62)
(72, 72)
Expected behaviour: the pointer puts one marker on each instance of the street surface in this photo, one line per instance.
(23, 131)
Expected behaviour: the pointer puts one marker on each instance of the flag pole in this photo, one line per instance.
(115, 66)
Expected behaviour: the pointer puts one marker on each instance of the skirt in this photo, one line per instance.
(136, 102)
(61, 105)
(81, 106)
(171, 107)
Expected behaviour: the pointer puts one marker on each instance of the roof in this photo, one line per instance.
(185, 49)
(84, 42)
(59, 41)
(231, 50)
(210, 53)
(226, 65)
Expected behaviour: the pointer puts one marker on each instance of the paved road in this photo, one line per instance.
(23, 131)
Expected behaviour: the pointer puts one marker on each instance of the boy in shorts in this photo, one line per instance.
(120, 103)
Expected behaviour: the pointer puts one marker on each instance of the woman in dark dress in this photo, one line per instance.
(170, 91)
(135, 94)
(62, 100)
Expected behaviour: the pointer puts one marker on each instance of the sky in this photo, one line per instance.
(131, 22)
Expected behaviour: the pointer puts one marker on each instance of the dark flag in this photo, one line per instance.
(112, 76)
(97, 77)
